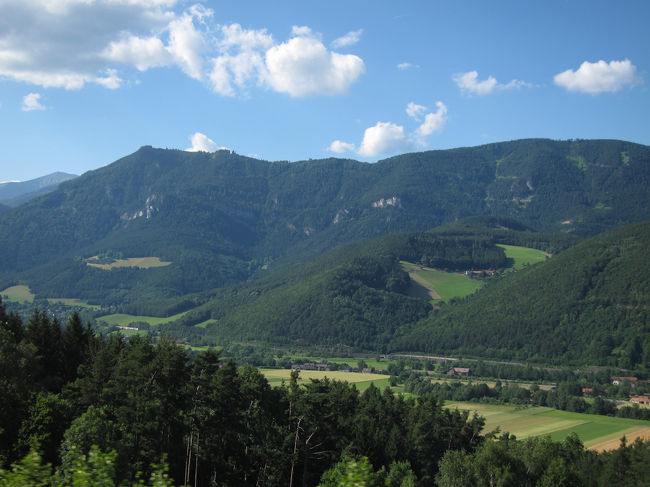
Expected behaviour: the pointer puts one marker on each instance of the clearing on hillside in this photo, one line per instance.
(21, 294)
(120, 319)
(523, 256)
(139, 262)
(439, 285)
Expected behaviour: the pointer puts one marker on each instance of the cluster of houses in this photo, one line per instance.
(633, 381)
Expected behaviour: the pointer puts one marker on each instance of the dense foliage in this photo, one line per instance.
(589, 305)
(220, 217)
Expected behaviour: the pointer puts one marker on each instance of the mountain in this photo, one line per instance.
(588, 305)
(16, 193)
(219, 218)
(357, 295)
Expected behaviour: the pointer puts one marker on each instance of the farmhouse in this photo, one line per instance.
(640, 399)
(463, 371)
(311, 366)
(587, 390)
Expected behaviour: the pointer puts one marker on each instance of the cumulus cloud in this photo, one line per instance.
(389, 138)
(32, 102)
(203, 143)
(469, 83)
(339, 147)
(69, 43)
(599, 77)
(303, 66)
(348, 39)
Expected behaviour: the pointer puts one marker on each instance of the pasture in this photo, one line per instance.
(596, 432)
(139, 262)
(20, 294)
(73, 302)
(523, 256)
(443, 285)
(119, 319)
(360, 380)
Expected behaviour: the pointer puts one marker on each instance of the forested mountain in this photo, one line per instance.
(220, 217)
(356, 295)
(16, 193)
(589, 304)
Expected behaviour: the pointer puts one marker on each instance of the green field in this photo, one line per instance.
(446, 285)
(119, 319)
(73, 302)
(523, 256)
(20, 294)
(595, 431)
(361, 381)
(140, 262)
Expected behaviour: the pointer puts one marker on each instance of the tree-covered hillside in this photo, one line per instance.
(589, 304)
(219, 217)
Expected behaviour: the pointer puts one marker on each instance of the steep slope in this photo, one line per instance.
(220, 217)
(589, 304)
(356, 295)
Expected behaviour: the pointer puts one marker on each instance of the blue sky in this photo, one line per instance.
(85, 82)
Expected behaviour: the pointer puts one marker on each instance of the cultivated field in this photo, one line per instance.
(361, 381)
(120, 319)
(20, 294)
(441, 285)
(596, 432)
(523, 256)
(140, 262)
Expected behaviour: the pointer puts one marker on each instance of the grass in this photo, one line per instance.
(447, 285)
(120, 319)
(362, 381)
(140, 262)
(523, 256)
(524, 422)
(73, 302)
(20, 294)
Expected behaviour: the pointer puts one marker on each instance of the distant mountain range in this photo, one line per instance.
(15, 193)
(220, 218)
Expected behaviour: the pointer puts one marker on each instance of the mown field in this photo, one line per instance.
(120, 319)
(442, 285)
(20, 294)
(523, 256)
(596, 432)
(360, 380)
(140, 262)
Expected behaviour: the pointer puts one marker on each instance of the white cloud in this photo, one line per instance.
(433, 122)
(69, 43)
(303, 66)
(348, 39)
(339, 147)
(415, 111)
(203, 143)
(405, 66)
(389, 138)
(32, 102)
(384, 138)
(469, 83)
(599, 77)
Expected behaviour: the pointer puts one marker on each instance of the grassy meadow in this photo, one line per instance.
(442, 285)
(523, 256)
(360, 380)
(140, 262)
(20, 294)
(120, 319)
(595, 431)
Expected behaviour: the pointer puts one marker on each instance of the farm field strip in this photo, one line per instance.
(140, 262)
(361, 380)
(596, 432)
(120, 319)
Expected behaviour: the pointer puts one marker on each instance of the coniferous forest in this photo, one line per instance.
(80, 409)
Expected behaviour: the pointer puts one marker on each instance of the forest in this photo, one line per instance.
(83, 409)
